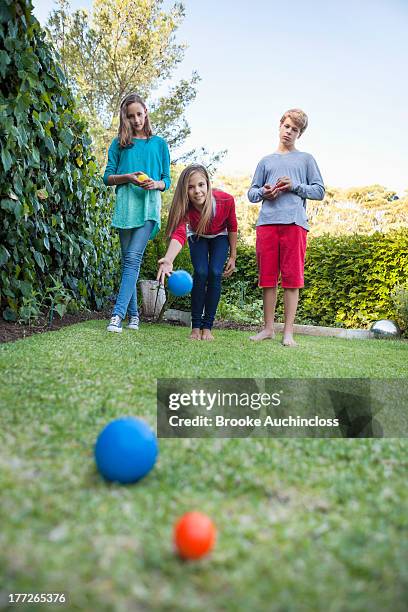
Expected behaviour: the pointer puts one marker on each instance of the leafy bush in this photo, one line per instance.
(348, 279)
(56, 243)
(399, 297)
(246, 313)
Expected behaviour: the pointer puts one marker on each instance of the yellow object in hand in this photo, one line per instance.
(141, 178)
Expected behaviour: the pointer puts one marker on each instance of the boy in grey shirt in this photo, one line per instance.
(283, 181)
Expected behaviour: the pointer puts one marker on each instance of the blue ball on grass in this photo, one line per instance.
(126, 450)
(180, 283)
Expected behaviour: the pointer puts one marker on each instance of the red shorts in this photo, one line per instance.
(281, 249)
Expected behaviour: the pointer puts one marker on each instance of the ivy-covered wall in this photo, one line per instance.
(56, 246)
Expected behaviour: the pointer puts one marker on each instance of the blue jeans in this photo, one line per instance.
(208, 256)
(132, 243)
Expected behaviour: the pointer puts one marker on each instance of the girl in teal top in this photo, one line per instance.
(139, 166)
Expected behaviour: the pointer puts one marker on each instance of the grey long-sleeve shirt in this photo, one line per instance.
(290, 206)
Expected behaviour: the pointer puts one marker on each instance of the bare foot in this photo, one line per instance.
(195, 333)
(288, 340)
(207, 335)
(264, 334)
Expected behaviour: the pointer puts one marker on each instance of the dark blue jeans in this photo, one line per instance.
(208, 256)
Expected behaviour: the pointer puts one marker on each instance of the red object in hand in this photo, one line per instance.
(194, 535)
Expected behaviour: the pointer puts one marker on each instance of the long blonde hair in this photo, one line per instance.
(180, 203)
(125, 132)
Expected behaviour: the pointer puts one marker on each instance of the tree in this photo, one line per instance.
(123, 46)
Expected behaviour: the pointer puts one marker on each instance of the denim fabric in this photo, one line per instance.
(208, 256)
(133, 243)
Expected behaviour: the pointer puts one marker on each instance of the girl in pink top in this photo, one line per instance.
(206, 218)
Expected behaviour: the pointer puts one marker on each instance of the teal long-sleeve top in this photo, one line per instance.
(135, 205)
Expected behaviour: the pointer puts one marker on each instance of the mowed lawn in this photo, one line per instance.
(303, 524)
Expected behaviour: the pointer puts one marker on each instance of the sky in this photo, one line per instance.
(341, 61)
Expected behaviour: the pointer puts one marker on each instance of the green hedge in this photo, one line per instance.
(56, 242)
(348, 279)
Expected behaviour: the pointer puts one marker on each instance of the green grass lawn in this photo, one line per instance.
(303, 524)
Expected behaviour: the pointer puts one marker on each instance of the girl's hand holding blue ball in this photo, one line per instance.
(165, 269)
(180, 283)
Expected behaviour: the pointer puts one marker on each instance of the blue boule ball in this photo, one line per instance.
(180, 283)
(126, 450)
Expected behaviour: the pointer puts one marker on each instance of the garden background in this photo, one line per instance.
(303, 524)
(57, 251)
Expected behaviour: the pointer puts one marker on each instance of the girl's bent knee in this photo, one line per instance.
(201, 275)
(214, 277)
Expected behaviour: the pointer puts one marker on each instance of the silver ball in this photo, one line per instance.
(384, 328)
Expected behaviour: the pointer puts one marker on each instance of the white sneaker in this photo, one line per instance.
(134, 322)
(115, 324)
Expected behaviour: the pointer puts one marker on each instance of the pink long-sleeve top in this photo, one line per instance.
(223, 221)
